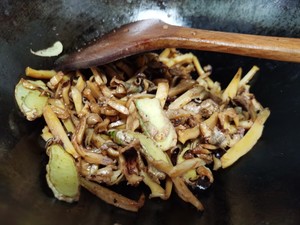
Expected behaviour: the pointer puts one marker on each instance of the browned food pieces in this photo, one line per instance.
(157, 119)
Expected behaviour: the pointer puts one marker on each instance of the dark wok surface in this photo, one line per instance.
(262, 188)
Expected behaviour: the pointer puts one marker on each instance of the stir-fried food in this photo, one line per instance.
(157, 119)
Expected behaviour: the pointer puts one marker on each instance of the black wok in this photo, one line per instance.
(261, 188)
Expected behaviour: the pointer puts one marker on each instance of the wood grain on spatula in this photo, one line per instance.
(149, 35)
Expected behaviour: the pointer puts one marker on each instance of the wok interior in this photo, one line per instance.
(261, 187)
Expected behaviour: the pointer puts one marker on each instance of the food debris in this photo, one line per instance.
(54, 50)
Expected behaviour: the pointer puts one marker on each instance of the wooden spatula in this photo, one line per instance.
(148, 35)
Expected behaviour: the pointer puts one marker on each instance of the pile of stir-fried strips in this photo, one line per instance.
(153, 118)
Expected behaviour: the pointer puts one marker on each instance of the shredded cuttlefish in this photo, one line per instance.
(157, 119)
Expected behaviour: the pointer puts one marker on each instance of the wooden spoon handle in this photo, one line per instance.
(149, 35)
(268, 47)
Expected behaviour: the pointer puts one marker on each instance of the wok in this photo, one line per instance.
(261, 188)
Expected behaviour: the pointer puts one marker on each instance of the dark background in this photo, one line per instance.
(261, 188)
